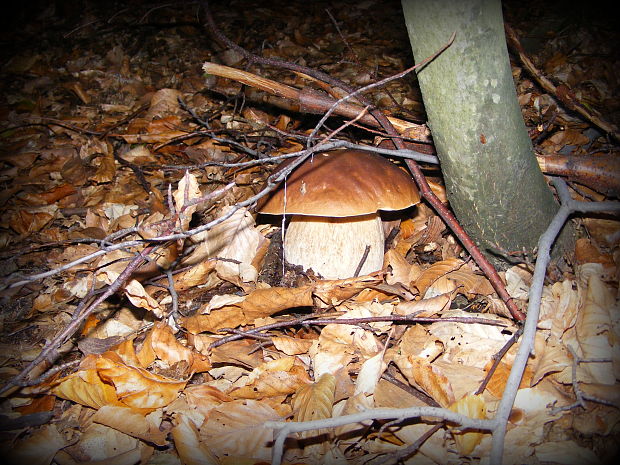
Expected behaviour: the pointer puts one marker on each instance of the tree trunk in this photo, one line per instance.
(494, 184)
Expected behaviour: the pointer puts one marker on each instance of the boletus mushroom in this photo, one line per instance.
(334, 199)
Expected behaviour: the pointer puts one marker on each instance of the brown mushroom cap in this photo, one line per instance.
(342, 183)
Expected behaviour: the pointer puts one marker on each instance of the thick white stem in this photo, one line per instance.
(334, 247)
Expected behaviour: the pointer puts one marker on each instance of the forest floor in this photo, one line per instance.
(128, 350)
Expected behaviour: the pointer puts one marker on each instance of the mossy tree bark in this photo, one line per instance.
(494, 184)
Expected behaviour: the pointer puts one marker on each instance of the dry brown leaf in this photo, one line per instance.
(434, 272)
(28, 221)
(136, 387)
(425, 308)
(291, 345)
(168, 349)
(163, 103)
(237, 429)
(426, 377)
(336, 291)
(107, 445)
(187, 443)
(369, 374)
(586, 252)
(401, 271)
(594, 329)
(607, 392)
(566, 453)
(259, 303)
(553, 358)
(274, 378)
(235, 242)
(472, 406)
(37, 449)
(187, 191)
(157, 138)
(86, 388)
(314, 402)
(203, 398)
(134, 291)
(196, 275)
(130, 422)
(464, 281)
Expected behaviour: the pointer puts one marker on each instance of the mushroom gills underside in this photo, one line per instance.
(334, 247)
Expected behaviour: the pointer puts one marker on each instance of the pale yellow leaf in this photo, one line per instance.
(137, 387)
(472, 406)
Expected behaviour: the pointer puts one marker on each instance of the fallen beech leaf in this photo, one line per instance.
(336, 291)
(434, 272)
(234, 242)
(426, 377)
(31, 220)
(401, 271)
(369, 375)
(203, 398)
(314, 402)
(274, 378)
(134, 291)
(425, 308)
(187, 443)
(291, 345)
(106, 445)
(168, 349)
(37, 449)
(86, 388)
(130, 422)
(259, 303)
(594, 327)
(565, 452)
(164, 102)
(136, 387)
(464, 281)
(474, 407)
(49, 197)
(160, 137)
(236, 429)
(106, 171)
(187, 191)
(608, 392)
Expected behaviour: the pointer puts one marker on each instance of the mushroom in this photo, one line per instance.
(334, 199)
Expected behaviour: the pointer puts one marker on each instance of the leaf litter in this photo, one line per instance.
(195, 352)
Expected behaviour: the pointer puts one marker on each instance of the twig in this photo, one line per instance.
(567, 207)
(284, 429)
